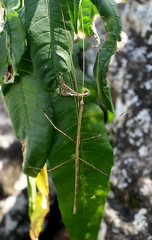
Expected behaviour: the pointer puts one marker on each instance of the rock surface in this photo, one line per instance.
(128, 213)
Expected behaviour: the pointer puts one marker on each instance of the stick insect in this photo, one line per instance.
(65, 90)
(80, 103)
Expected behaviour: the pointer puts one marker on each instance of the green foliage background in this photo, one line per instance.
(36, 63)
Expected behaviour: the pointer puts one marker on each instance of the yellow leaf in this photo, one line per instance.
(42, 204)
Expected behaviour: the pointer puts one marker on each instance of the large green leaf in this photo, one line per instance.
(50, 36)
(95, 149)
(110, 15)
(22, 99)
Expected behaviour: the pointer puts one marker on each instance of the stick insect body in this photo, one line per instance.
(79, 97)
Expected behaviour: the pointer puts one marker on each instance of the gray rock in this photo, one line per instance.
(128, 212)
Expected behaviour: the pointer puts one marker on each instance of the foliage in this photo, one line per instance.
(53, 104)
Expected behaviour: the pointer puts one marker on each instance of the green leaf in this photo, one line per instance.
(21, 13)
(86, 17)
(22, 99)
(110, 15)
(3, 56)
(11, 4)
(50, 42)
(15, 39)
(73, 11)
(95, 150)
